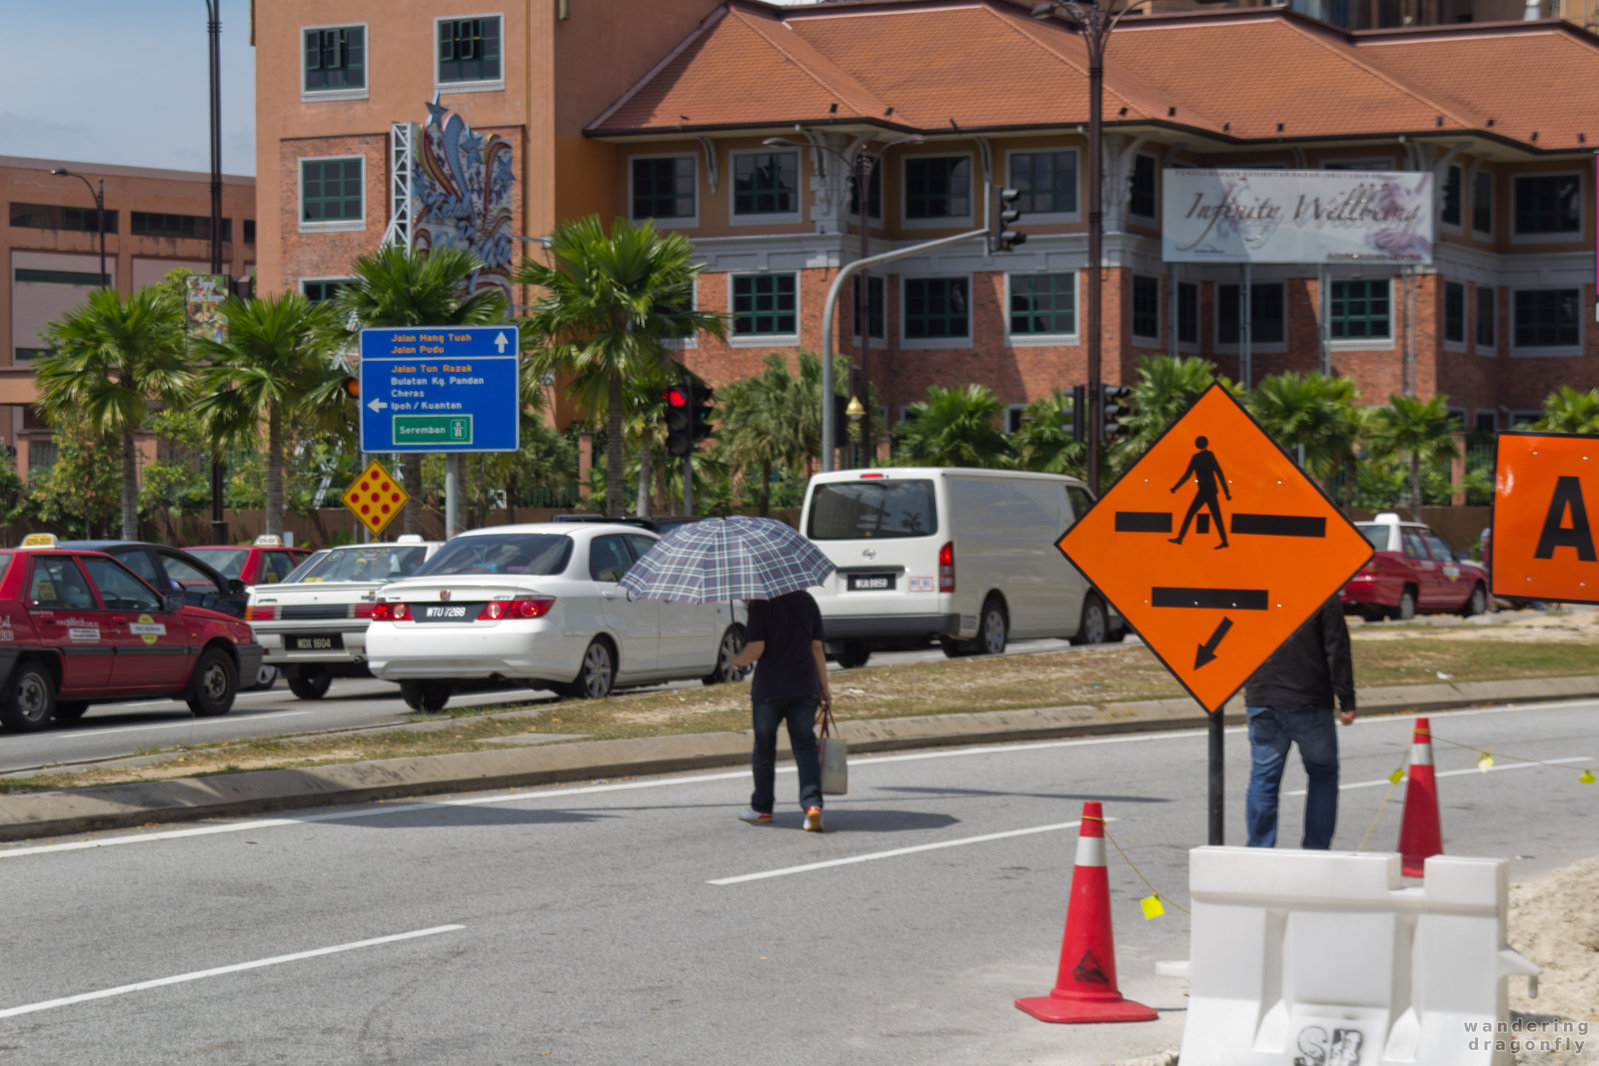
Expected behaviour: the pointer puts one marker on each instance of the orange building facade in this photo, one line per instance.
(665, 111)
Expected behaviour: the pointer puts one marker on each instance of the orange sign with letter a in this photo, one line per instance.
(375, 498)
(1546, 489)
(1216, 547)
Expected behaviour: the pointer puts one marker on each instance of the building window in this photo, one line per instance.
(1487, 306)
(1361, 311)
(1268, 319)
(765, 304)
(62, 277)
(31, 355)
(249, 231)
(1549, 204)
(663, 187)
(157, 224)
(936, 308)
(766, 183)
(335, 59)
(1547, 318)
(1482, 202)
(1187, 313)
(1043, 304)
(41, 457)
(938, 187)
(331, 190)
(1454, 312)
(1449, 214)
(1146, 306)
(52, 216)
(318, 290)
(1141, 201)
(1047, 182)
(874, 193)
(877, 305)
(469, 50)
(1015, 416)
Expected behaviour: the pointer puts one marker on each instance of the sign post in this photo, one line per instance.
(1215, 547)
(1546, 498)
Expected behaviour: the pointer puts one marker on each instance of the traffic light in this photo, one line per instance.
(1080, 413)
(351, 387)
(1115, 404)
(679, 421)
(1001, 237)
(701, 410)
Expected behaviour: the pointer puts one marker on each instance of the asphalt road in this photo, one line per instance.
(638, 920)
(120, 730)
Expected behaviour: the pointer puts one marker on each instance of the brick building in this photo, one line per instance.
(673, 125)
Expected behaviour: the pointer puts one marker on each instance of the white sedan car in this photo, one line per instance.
(539, 603)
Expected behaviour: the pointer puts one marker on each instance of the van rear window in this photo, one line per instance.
(859, 510)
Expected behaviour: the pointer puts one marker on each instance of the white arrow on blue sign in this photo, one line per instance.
(440, 389)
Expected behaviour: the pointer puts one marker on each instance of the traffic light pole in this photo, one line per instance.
(688, 483)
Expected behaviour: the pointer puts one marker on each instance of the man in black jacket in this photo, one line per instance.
(1290, 701)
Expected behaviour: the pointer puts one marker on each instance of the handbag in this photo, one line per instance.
(830, 748)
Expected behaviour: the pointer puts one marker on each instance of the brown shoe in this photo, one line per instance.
(813, 820)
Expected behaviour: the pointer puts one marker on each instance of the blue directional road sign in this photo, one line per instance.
(440, 389)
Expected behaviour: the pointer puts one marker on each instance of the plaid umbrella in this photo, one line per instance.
(734, 558)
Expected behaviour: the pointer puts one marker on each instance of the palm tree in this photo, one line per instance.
(276, 366)
(1312, 412)
(759, 432)
(1164, 390)
(1418, 431)
(1566, 410)
(955, 427)
(1046, 441)
(608, 307)
(112, 357)
(400, 287)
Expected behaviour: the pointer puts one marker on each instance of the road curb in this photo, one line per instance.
(43, 814)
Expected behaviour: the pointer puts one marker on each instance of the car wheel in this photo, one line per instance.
(726, 652)
(1094, 626)
(428, 697)
(215, 683)
(32, 699)
(993, 630)
(852, 655)
(70, 710)
(1407, 605)
(265, 678)
(1477, 603)
(310, 683)
(597, 675)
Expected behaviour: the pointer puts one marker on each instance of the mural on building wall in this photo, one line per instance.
(462, 195)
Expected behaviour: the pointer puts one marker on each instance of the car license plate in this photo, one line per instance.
(317, 642)
(451, 612)
(871, 582)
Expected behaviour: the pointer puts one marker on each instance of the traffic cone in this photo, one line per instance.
(1085, 986)
(1421, 833)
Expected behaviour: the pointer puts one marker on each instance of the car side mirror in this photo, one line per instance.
(172, 601)
(235, 587)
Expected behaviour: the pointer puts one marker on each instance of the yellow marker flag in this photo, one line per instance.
(1397, 776)
(1485, 762)
(1587, 777)
(1152, 907)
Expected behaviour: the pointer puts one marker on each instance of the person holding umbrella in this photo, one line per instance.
(770, 565)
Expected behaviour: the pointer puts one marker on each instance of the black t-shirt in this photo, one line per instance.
(787, 625)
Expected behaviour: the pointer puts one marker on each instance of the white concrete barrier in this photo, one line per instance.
(1325, 958)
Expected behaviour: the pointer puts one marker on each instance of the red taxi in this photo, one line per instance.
(1413, 572)
(78, 627)
(264, 562)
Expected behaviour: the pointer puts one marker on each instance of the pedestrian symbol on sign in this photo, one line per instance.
(1205, 472)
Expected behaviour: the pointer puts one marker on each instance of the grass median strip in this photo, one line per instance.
(1093, 676)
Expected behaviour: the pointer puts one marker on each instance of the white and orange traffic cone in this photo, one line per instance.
(1421, 832)
(1085, 986)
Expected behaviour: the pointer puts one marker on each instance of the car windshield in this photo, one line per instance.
(365, 562)
(1376, 533)
(501, 553)
(853, 510)
(309, 563)
(229, 562)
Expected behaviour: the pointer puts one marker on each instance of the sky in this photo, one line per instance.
(135, 90)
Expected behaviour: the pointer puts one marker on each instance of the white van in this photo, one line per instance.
(963, 555)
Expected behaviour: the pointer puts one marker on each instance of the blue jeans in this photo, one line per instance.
(800, 713)
(1271, 731)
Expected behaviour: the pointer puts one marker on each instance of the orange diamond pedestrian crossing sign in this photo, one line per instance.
(1215, 547)
(375, 497)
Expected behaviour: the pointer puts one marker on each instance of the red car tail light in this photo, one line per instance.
(363, 610)
(260, 614)
(535, 607)
(946, 567)
(390, 612)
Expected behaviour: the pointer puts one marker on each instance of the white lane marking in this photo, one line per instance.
(124, 730)
(808, 867)
(1454, 773)
(120, 990)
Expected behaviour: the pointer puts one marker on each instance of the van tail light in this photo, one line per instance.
(522, 607)
(946, 567)
(390, 612)
(363, 610)
(255, 613)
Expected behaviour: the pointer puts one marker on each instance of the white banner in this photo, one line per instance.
(1297, 216)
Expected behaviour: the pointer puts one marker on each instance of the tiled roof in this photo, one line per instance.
(1243, 75)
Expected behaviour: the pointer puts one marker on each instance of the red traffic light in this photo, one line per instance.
(351, 387)
(676, 397)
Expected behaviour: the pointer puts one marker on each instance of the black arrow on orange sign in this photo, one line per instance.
(1207, 650)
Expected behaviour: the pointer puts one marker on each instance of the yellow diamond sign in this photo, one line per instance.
(375, 498)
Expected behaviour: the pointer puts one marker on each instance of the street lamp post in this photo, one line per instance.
(99, 211)
(213, 29)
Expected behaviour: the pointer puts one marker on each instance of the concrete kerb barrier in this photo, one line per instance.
(29, 815)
